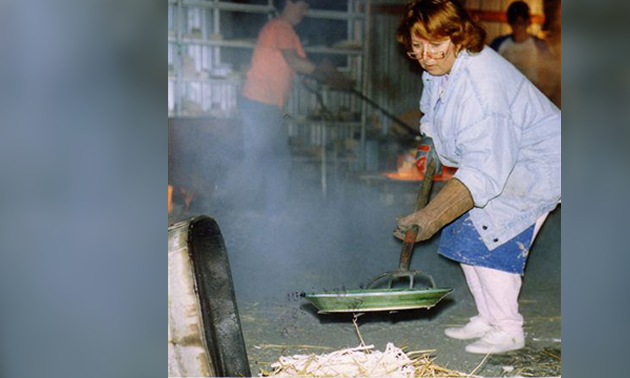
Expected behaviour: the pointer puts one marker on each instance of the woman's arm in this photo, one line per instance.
(489, 149)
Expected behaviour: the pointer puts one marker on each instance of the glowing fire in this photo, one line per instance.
(410, 169)
(170, 199)
(186, 194)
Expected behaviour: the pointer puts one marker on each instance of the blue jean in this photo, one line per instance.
(461, 242)
(267, 159)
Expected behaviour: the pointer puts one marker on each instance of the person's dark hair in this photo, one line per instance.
(439, 19)
(517, 9)
(279, 4)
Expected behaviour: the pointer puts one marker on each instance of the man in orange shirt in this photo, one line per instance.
(277, 57)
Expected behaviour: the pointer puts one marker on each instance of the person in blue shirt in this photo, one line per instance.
(488, 120)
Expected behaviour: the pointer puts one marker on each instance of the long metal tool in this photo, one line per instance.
(411, 130)
(376, 298)
(410, 237)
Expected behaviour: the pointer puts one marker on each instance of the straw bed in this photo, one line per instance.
(362, 361)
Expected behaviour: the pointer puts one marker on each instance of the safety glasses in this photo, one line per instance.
(432, 52)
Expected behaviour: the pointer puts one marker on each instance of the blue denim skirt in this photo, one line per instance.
(461, 242)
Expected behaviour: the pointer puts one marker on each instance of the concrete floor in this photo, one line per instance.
(342, 241)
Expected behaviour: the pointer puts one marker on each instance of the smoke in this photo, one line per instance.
(316, 241)
(305, 235)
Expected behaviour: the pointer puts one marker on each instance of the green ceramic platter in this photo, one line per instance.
(376, 300)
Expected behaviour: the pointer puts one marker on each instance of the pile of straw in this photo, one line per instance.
(361, 361)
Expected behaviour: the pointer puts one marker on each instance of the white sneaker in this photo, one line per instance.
(476, 328)
(497, 341)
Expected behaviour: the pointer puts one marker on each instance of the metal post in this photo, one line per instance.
(216, 51)
(325, 125)
(364, 66)
(179, 87)
(324, 162)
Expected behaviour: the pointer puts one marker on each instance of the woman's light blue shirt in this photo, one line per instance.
(503, 134)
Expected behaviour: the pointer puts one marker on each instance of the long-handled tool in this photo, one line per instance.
(410, 237)
(411, 130)
(391, 299)
(315, 89)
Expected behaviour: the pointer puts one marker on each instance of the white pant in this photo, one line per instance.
(496, 293)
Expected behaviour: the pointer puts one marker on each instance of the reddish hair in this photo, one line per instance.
(439, 19)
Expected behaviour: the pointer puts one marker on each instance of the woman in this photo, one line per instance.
(503, 134)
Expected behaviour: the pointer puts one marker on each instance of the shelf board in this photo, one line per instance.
(214, 42)
(250, 45)
(212, 80)
(226, 6)
(333, 15)
(311, 122)
(332, 50)
(253, 8)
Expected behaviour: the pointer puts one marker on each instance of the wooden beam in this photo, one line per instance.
(477, 14)
(498, 16)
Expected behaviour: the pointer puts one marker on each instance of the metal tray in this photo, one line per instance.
(376, 299)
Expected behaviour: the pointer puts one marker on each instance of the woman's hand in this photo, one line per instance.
(450, 203)
(419, 218)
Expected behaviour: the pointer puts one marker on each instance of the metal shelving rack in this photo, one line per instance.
(202, 84)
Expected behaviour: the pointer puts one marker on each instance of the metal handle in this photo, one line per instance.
(407, 247)
(421, 202)
(408, 128)
(427, 182)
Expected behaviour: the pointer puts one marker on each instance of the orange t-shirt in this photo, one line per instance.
(269, 79)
